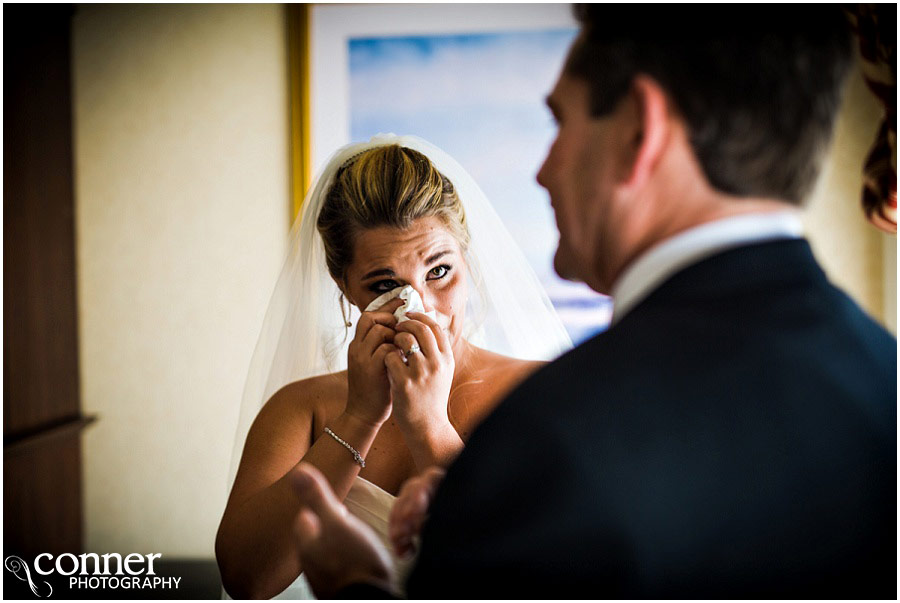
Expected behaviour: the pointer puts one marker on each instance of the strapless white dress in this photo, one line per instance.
(373, 506)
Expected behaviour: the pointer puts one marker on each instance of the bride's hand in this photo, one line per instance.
(409, 512)
(420, 387)
(369, 389)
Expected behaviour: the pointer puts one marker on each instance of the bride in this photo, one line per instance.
(448, 319)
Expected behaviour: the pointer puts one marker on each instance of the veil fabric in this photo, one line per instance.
(304, 331)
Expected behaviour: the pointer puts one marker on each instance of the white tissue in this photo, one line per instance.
(413, 303)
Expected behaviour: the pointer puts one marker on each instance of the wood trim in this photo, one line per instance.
(299, 81)
(28, 441)
(42, 417)
(40, 317)
(42, 499)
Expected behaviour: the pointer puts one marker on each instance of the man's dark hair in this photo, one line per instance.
(757, 85)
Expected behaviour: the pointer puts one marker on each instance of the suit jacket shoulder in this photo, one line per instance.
(733, 436)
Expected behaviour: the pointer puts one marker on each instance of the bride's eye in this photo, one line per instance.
(438, 272)
(383, 286)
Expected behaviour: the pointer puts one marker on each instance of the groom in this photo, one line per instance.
(733, 433)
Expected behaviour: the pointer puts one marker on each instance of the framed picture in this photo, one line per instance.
(471, 79)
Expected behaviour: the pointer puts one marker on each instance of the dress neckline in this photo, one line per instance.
(375, 487)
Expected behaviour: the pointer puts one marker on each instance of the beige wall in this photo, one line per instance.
(182, 206)
(856, 256)
(181, 149)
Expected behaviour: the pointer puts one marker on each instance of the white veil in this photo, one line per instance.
(304, 332)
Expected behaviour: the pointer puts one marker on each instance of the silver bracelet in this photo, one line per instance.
(356, 455)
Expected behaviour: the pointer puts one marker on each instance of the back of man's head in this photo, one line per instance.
(758, 86)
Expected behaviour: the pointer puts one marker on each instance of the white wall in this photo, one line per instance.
(182, 209)
(856, 256)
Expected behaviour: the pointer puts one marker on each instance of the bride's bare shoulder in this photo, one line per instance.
(282, 431)
(306, 397)
(312, 388)
(505, 372)
(515, 368)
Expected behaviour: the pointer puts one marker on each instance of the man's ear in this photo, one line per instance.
(652, 117)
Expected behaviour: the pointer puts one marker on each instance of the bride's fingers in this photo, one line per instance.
(382, 351)
(423, 334)
(396, 368)
(416, 364)
(384, 316)
(403, 368)
(404, 341)
(370, 319)
(440, 335)
(377, 335)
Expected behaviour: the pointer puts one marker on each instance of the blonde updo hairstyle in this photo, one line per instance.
(385, 186)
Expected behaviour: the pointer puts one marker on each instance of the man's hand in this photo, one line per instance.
(336, 548)
(411, 509)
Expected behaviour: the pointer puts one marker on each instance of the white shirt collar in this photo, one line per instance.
(663, 260)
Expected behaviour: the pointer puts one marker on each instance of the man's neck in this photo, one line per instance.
(690, 246)
(705, 207)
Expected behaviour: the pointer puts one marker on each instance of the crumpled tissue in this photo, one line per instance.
(406, 293)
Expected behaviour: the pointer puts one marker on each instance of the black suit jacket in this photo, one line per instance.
(733, 436)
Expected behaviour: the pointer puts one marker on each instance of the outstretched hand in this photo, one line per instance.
(336, 548)
(409, 512)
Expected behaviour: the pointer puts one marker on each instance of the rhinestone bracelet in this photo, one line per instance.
(356, 455)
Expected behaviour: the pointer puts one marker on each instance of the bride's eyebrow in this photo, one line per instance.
(388, 272)
(379, 272)
(435, 257)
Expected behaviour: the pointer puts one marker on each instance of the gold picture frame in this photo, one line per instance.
(299, 81)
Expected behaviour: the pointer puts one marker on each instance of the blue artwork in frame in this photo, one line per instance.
(480, 97)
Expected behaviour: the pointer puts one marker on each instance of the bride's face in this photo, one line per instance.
(425, 256)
